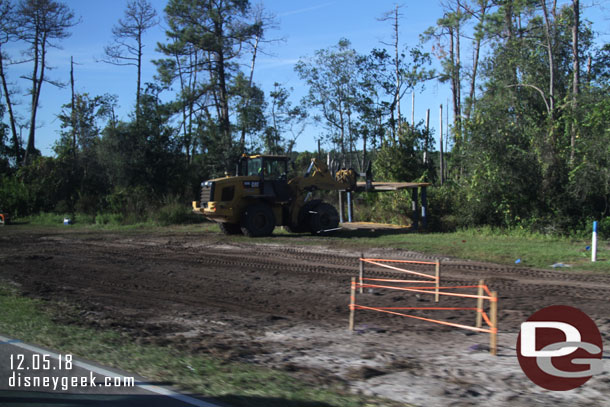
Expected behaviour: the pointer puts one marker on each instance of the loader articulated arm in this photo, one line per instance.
(318, 178)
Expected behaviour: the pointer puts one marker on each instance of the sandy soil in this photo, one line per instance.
(286, 307)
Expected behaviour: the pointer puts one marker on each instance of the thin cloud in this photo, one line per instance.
(306, 9)
(275, 63)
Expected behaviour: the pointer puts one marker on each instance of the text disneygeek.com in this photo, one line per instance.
(28, 371)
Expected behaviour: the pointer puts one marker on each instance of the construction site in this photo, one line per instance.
(287, 306)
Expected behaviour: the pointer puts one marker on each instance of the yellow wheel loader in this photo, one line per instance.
(260, 197)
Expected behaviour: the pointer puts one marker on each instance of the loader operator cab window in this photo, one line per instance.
(274, 169)
(255, 167)
(269, 168)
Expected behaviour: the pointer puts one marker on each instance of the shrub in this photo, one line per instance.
(15, 197)
(108, 219)
(175, 211)
(132, 203)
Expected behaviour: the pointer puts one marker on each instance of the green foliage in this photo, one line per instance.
(133, 203)
(402, 161)
(444, 205)
(16, 198)
(175, 212)
(103, 219)
(284, 119)
(528, 152)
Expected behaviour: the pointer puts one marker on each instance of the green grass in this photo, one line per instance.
(165, 216)
(484, 244)
(481, 244)
(238, 384)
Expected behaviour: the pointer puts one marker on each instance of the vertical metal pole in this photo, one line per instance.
(493, 339)
(413, 112)
(594, 243)
(341, 213)
(424, 207)
(361, 270)
(480, 304)
(438, 280)
(350, 208)
(319, 150)
(442, 165)
(427, 140)
(352, 303)
(415, 207)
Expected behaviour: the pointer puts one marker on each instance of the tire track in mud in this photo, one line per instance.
(259, 276)
(300, 261)
(286, 306)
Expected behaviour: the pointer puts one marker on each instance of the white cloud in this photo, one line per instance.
(306, 9)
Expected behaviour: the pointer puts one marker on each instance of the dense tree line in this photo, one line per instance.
(528, 143)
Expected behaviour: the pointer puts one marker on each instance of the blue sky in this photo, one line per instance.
(306, 25)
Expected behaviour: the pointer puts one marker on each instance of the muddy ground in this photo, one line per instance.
(285, 306)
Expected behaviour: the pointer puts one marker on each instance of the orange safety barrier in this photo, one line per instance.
(491, 320)
(2, 219)
(380, 262)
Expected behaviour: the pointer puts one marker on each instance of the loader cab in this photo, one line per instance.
(272, 171)
(270, 168)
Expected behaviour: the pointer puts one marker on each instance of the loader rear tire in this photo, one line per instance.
(257, 221)
(230, 228)
(324, 219)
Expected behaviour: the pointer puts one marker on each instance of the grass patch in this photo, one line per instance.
(166, 215)
(234, 383)
(481, 244)
(497, 246)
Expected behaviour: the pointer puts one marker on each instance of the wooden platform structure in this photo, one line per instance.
(415, 187)
(389, 186)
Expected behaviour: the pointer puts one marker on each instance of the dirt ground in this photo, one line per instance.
(285, 306)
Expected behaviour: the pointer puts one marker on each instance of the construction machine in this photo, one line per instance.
(260, 197)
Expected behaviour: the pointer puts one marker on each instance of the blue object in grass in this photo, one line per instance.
(588, 248)
(517, 261)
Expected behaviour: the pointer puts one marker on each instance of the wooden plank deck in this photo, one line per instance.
(390, 186)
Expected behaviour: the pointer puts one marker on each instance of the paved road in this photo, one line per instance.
(33, 376)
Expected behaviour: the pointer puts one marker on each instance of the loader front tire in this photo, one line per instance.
(257, 221)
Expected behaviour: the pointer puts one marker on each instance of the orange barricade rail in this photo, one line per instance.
(435, 278)
(482, 289)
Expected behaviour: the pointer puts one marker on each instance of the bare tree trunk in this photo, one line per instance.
(576, 78)
(72, 112)
(549, 46)
(242, 140)
(11, 115)
(454, 78)
(397, 68)
(223, 97)
(139, 79)
(457, 109)
(36, 83)
(442, 164)
(475, 62)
